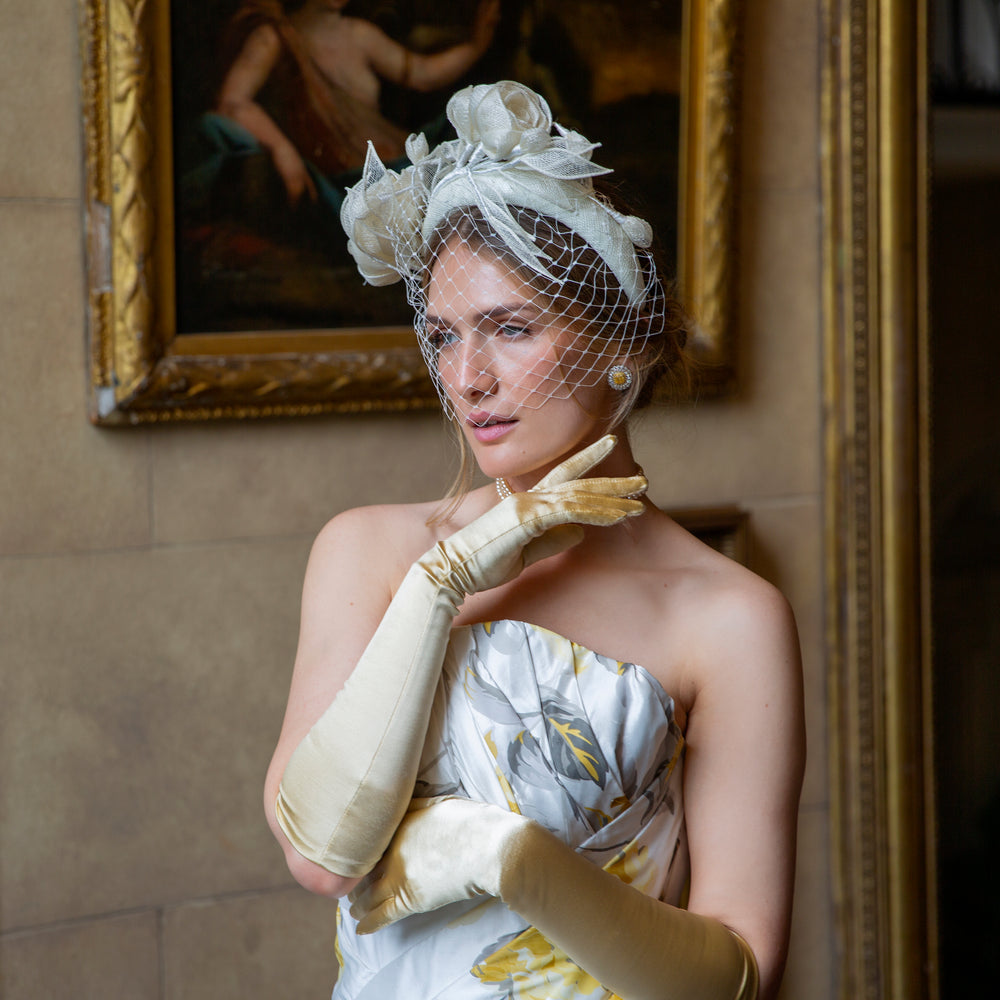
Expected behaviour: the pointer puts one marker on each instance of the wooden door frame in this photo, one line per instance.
(875, 114)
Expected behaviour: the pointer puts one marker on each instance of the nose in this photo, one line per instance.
(474, 370)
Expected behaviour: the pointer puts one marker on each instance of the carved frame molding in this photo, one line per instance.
(142, 372)
(707, 223)
(877, 545)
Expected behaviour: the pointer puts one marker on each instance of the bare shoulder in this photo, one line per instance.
(738, 629)
(382, 540)
(365, 34)
(263, 41)
(357, 562)
(370, 549)
(738, 602)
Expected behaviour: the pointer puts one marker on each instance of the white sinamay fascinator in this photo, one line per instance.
(514, 177)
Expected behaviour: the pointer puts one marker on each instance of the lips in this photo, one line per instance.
(489, 426)
(480, 418)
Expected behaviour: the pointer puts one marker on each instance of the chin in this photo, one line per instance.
(531, 459)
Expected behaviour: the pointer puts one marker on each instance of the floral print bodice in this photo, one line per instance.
(582, 743)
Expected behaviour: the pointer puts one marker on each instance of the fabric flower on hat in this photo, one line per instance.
(381, 215)
(509, 153)
(500, 117)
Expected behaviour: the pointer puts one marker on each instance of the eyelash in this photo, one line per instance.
(439, 339)
(513, 332)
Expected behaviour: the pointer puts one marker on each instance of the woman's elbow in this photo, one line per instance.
(316, 879)
(307, 873)
(230, 107)
(425, 74)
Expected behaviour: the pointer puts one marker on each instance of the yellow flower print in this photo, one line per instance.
(508, 792)
(631, 865)
(531, 968)
(336, 939)
(574, 738)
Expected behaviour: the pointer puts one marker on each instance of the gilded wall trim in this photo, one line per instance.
(707, 262)
(877, 539)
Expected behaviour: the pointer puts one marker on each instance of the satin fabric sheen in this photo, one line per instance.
(582, 743)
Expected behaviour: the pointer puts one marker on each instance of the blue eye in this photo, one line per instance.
(512, 332)
(439, 339)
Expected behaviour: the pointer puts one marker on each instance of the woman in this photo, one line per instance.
(563, 797)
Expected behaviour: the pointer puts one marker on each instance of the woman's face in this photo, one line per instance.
(512, 368)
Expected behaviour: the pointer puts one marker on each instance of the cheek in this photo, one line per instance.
(526, 373)
(538, 365)
(448, 375)
(536, 374)
(573, 365)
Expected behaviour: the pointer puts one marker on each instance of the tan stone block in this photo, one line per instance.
(780, 127)
(764, 441)
(40, 111)
(280, 944)
(780, 294)
(64, 485)
(255, 479)
(143, 694)
(94, 960)
(729, 453)
(809, 972)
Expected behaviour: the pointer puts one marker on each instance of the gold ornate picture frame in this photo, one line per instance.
(144, 370)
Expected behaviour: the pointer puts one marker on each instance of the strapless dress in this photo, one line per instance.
(584, 744)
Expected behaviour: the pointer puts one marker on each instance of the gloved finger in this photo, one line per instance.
(603, 511)
(387, 912)
(576, 465)
(582, 509)
(622, 486)
(374, 895)
(361, 890)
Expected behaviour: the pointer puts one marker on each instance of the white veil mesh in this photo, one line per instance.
(525, 284)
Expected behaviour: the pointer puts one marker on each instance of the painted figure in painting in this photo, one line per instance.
(265, 170)
(279, 98)
(306, 80)
(472, 758)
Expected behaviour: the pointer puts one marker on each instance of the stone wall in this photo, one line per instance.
(149, 578)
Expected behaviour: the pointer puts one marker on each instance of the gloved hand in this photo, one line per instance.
(445, 849)
(350, 780)
(528, 527)
(639, 947)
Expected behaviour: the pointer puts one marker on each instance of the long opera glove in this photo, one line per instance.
(349, 782)
(637, 946)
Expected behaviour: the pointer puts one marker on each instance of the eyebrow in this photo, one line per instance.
(517, 309)
(498, 312)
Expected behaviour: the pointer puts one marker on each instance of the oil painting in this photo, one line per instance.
(220, 283)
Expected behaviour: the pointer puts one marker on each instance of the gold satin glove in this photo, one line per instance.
(349, 782)
(640, 948)
(445, 849)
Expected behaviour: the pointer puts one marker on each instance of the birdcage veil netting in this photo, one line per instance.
(525, 284)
